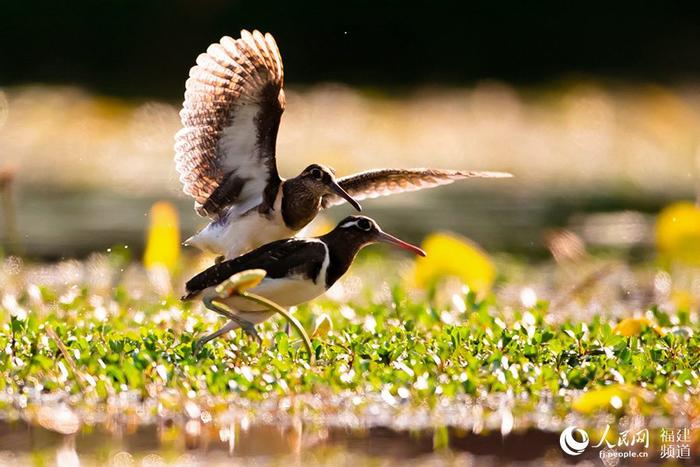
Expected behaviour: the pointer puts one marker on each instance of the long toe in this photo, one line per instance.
(249, 329)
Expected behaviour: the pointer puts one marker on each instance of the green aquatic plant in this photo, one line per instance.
(399, 351)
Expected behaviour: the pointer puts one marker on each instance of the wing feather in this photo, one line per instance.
(207, 62)
(272, 46)
(225, 151)
(383, 182)
(282, 258)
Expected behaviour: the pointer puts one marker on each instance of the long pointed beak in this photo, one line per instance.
(390, 239)
(345, 195)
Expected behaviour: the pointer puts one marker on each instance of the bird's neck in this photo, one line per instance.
(342, 251)
(299, 204)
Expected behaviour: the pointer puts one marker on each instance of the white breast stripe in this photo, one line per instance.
(321, 278)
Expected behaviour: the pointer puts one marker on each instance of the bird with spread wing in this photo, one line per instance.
(225, 154)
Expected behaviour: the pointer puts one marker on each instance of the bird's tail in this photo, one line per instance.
(204, 241)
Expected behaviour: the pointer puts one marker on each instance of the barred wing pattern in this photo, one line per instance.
(382, 182)
(225, 151)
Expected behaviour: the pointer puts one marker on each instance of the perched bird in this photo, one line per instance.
(225, 154)
(297, 270)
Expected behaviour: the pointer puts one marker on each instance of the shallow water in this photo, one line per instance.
(278, 445)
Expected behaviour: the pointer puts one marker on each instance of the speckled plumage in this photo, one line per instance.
(225, 151)
(383, 182)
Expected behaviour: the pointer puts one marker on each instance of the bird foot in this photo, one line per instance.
(249, 329)
(235, 320)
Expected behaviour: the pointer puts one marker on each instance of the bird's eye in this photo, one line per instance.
(317, 174)
(364, 224)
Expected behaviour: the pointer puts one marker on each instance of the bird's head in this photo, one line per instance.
(320, 180)
(363, 231)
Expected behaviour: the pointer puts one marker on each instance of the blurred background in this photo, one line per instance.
(594, 107)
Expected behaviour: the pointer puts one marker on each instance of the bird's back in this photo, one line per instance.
(280, 259)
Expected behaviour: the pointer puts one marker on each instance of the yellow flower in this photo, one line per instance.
(615, 396)
(629, 327)
(449, 255)
(163, 243)
(678, 233)
(683, 299)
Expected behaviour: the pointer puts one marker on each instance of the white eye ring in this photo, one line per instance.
(317, 174)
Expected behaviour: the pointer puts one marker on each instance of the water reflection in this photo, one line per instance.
(272, 444)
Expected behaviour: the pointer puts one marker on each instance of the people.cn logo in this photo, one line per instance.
(569, 445)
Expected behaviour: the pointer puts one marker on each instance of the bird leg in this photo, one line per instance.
(290, 319)
(220, 308)
(203, 340)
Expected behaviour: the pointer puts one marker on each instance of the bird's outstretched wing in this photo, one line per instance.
(225, 151)
(382, 182)
(283, 258)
